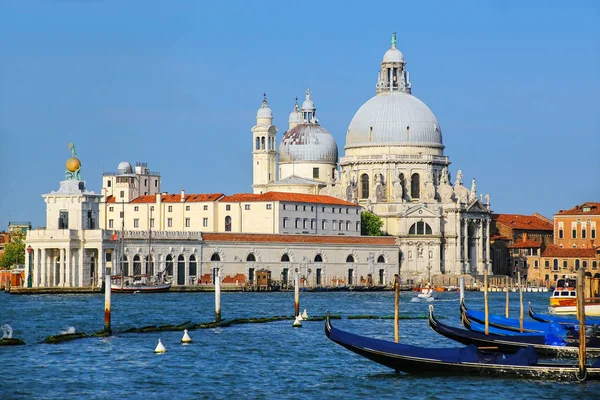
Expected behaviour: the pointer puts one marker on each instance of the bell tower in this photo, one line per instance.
(264, 155)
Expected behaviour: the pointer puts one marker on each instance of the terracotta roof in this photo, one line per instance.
(176, 198)
(111, 199)
(578, 210)
(556, 251)
(525, 222)
(289, 197)
(527, 244)
(499, 237)
(257, 237)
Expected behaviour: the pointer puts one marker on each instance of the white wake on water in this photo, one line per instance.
(7, 331)
(68, 329)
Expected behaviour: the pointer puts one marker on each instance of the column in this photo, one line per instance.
(186, 265)
(80, 254)
(101, 266)
(43, 271)
(458, 232)
(27, 269)
(466, 246)
(36, 268)
(488, 263)
(62, 267)
(68, 265)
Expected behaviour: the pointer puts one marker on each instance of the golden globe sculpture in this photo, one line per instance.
(73, 164)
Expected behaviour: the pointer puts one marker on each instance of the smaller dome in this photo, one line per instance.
(296, 115)
(393, 55)
(308, 143)
(124, 168)
(308, 104)
(264, 111)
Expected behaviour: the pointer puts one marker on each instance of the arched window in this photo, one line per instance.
(555, 264)
(251, 257)
(262, 143)
(415, 186)
(350, 259)
(228, 224)
(285, 258)
(193, 266)
(420, 228)
(584, 264)
(137, 265)
(341, 225)
(364, 186)
(215, 257)
(381, 259)
(576, 265)
(169, 266)
(324, 224)
(402, 183)
(257, 143)
(348, 226)
(318, 258)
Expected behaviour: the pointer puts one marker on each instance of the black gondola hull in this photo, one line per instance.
(402, 358)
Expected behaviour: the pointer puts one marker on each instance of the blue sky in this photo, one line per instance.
(513, 84)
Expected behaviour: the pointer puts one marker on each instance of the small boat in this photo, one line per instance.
(512, 324)
(425, 293)
(138, 284)
(564, 299)
(545, 345)
(466, 361)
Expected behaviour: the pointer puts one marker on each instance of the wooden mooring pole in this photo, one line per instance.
(521, 313)
(397, 309)
(485, 300)
(507, 292)
(107, 275)
(218, 296)
(297, 295)
(581, 317)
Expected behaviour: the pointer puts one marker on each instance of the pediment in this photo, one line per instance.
(477, 206)
(419, 211)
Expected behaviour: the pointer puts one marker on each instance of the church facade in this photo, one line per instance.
(394, 166)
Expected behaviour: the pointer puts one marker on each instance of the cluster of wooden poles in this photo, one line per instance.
(107, 299)
(580, 309)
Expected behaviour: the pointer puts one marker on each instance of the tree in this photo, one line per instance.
(370, 224)
(14, 253)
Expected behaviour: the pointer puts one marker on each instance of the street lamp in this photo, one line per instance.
(29, 251)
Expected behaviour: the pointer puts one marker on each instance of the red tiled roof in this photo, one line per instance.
(555, 251)
(578, 210)
(176, 198)
(289, 197)
(527, 244)
(525, 222)
(499, 237)
(257, 237)
(111, 199)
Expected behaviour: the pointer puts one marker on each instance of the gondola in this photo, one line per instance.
(589, 321)
(512, 324)
(466, 361)
(544, 345)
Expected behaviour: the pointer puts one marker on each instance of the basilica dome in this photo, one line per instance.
(394, 118)
(308, 142)
(393, 55)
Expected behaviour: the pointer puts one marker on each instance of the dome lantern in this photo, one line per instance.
(264, 112)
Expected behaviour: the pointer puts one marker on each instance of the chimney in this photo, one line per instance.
(158, 198)
(182, 196)
(524, 236)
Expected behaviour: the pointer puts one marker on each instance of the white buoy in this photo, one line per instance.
(304, 315)
(299, 317)
(186, 338)
(159, 347)
(297, 323)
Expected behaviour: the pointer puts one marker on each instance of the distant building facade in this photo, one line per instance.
(516, 239)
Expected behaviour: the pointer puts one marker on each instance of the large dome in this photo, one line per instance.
(394, 118)
(308, 143)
